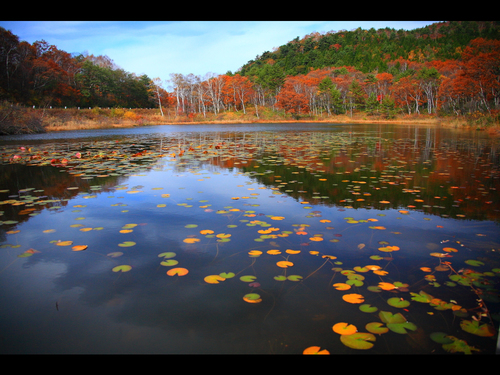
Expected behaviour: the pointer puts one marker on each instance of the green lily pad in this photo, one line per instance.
(398, 302)
(227, 275)
(168, 254)
(441, 338)
(354, 282)
(122, 268)
(294, 278)
(248, 278)
(367, 308)
(252, 296)
(396, 322)
(358, 340)
(169, 262)
(475, 263)
(280, 278)
(421, 297)
(459, 346)
(477, 328)
(376, 328)
(126, 244)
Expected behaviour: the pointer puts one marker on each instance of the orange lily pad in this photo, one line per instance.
(344, 328)
(353, 298)
(179, 271)
(315, 350)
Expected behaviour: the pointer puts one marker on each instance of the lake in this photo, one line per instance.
(250, 239)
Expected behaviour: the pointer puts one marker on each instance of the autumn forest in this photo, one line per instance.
(448, 69)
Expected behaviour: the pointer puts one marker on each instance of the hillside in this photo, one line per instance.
(372, 50)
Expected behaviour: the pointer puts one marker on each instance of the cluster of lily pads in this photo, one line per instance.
(332, 172)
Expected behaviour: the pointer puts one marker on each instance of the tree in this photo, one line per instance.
(157, 88)
(356, 96)
(428, 80)
(290, 100)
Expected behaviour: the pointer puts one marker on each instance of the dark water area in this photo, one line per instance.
(250, 239)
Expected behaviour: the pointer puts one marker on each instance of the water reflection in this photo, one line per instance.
(427, 186)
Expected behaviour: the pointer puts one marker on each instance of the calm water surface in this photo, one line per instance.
(394, 213)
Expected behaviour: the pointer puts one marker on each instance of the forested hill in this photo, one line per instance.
(371, 50)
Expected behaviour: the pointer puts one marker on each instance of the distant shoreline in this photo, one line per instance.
(53, 120)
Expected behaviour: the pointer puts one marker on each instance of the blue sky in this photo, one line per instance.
(159, 48)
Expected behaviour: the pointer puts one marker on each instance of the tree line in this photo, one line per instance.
(447, 68)
(40, 74)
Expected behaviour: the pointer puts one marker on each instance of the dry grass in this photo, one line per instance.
(78, 119)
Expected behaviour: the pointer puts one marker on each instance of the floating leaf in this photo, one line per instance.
(274, 252)
(214, 279)
(248, 278)
(177, 271)
(344, 328)
(398, 302)
(396, 322)
(127, 244)
(367, 308)
(79, 247)
(477, 328)
(422, 297)
(358, 340)
(376, 328)
(353, 298)
(386, 286)
(294, 277)
(458, 346)
(314, 350)
(388, 249)
(316, 238)
(284, 264)
(168, 254)
(169, 262)
(115, 254)
(254, 253)
(191, 240)
(441, 338)
(227, 275)
(122, 268)
(341, 286)
(252, 298)
(475, 263)
(64, 243)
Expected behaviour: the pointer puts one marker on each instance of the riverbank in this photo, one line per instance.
(18, 120)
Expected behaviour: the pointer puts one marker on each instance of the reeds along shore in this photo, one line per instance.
(21, 120)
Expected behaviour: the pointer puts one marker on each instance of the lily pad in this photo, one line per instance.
(344, 328)
(367, 308)
(252, 298)
(475, 263)
(376, 328)
(169, 262)
(248, 278)
(358, 340)
(477, 328)
(396, 322)
(122, 268)
(127, 244)
(398, 302)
